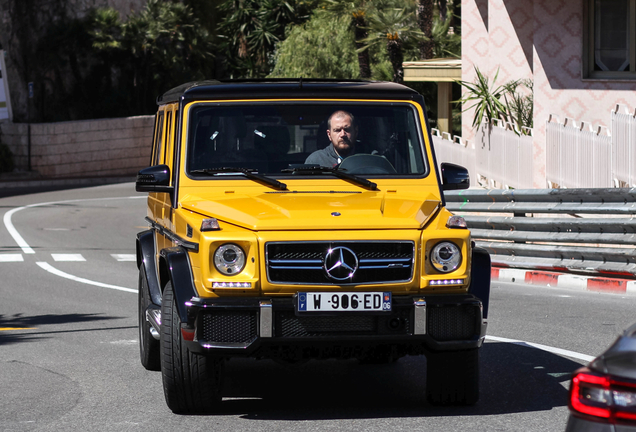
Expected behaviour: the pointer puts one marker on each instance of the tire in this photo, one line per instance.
(148, 345)
(191, 382)
(452, 378)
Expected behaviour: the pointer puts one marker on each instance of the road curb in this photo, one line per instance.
(564, 280)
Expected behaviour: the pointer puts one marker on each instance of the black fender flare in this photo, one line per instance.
(146, 250)
(480, 277)
(174, 265)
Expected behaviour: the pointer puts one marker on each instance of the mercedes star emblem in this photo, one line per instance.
(340, 263)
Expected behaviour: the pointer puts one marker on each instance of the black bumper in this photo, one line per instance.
(261, 327)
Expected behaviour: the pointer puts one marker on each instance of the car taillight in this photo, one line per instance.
(603, 397)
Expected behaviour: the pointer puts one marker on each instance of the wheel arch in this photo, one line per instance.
(146, 253)
(174, 265)
(480, 277)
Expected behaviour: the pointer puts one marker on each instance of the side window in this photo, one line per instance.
(610, 39)
(175, 141)
(157, 147)
(167, 144)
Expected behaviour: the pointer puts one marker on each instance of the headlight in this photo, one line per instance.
(446, 257)
(229, 259)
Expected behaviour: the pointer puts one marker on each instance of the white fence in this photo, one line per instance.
(499, 157)
(577, 156)
(624, 141)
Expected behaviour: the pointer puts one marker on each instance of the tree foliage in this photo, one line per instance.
(101, 66)
(167, 45)
(321, 48)
(250, 30)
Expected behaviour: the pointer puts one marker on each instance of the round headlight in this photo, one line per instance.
(446, 257)
(229, 259)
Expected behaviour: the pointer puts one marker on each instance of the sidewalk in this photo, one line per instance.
(564, 280)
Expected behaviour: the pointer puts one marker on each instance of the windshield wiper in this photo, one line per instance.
(311, 169)
(247, 172)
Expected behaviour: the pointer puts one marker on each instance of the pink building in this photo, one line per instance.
(580, 54)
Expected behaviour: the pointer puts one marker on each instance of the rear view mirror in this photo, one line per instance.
(454, 177)
(154, 179)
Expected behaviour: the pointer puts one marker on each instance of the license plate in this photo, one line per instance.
(343, 302)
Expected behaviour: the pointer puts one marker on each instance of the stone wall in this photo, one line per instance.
(88, 148)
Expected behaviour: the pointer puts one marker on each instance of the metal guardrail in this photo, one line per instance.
(590, 231)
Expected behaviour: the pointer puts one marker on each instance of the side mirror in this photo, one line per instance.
(454, 177)
(154, 179)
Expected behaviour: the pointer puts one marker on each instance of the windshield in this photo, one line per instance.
(374, 140)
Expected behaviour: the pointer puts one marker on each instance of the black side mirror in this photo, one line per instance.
(454, 177)
(154, 179)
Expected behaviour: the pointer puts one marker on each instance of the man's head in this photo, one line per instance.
(342, 132)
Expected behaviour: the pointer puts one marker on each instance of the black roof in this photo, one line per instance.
(288, 88)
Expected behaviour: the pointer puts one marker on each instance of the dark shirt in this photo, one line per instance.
(325, 157)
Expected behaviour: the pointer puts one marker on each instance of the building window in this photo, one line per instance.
(610, 48)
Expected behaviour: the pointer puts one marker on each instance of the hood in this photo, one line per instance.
(317, 210)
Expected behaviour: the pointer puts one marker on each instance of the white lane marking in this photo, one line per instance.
(49, 268)
(554, 350)
(124, 342)
(124, 257)
(14, 232)
(67, 257)
(18, 238)
(11, 258)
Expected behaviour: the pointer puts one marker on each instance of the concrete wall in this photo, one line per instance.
(89, 148)
(541, 40)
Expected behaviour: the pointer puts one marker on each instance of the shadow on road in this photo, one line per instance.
(19, 328)
(513, 379)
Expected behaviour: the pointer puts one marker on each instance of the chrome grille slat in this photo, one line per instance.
(380, 262)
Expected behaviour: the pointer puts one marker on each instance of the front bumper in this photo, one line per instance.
(260, 327)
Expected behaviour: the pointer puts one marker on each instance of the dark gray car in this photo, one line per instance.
(603, 394)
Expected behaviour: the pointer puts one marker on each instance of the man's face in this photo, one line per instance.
(342, 134)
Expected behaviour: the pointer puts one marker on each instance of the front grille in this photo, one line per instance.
(228, 327)
(288, 324)
(303, 262)
(452, 322)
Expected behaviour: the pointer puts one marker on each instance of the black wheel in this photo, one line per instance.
(148, 345)
(452, 378)
(191, 382)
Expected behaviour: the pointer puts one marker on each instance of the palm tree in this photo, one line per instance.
(358, 10)
(446, 43)
(396, 27)
(425, 23)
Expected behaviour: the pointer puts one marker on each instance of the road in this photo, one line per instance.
(69, 356)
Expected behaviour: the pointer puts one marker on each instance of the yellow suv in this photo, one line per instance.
(303, 219)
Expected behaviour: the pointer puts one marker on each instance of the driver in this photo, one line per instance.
(342, 132)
